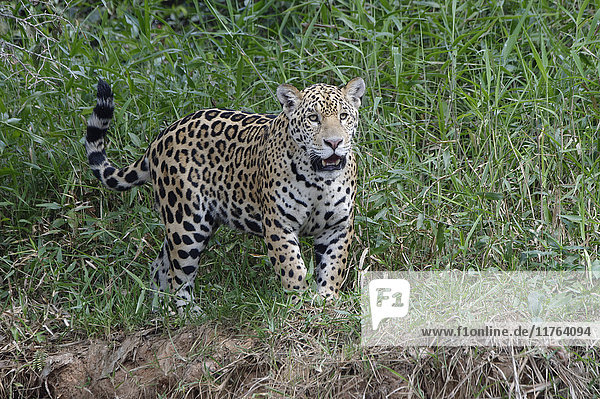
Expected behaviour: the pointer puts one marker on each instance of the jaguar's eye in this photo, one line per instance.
(343, 116)
(313, 117)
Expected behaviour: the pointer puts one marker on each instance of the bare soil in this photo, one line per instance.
(211, 362)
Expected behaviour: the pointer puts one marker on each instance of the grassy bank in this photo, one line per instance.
(479, 149)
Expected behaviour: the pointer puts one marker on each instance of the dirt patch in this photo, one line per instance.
(147, 364)
(211, 362)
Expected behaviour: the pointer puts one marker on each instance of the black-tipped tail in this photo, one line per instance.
(97, 126)
(103, 113)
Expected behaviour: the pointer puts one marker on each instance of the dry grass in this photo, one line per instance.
(212, 361)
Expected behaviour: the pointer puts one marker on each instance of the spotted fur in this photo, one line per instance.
(277, 176)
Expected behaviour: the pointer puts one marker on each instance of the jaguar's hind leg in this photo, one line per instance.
(187, 235)
(159, 271)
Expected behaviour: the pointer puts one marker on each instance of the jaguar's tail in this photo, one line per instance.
(97, 126)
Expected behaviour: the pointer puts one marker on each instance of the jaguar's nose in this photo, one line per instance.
(333, 142)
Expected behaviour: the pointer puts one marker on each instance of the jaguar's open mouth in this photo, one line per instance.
(334, 162)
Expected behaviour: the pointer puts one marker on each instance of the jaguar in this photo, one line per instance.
(280, 177)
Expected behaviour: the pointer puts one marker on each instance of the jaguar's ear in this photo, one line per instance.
(289, 97)
(354, 91)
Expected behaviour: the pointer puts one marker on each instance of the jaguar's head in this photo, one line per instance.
(323, 120)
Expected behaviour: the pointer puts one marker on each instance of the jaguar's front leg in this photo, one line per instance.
(331, 259)
(284, 252)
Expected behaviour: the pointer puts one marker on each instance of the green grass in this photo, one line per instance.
(479, 144)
